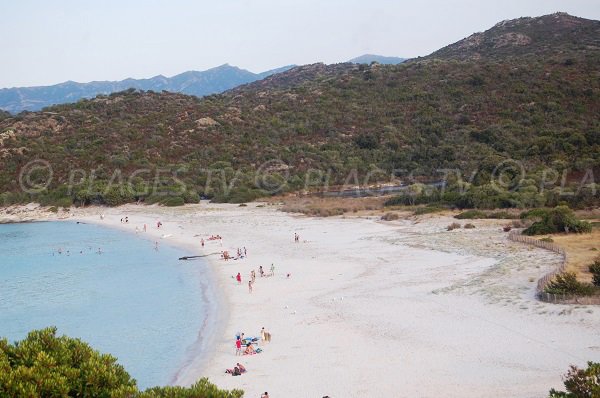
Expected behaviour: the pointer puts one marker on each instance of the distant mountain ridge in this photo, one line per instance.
(198, 83)
(368, 58)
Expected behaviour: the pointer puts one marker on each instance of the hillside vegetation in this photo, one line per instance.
(319, 125)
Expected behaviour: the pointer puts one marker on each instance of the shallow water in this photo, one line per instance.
(139, 304)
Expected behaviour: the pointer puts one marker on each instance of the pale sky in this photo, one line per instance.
(48, 42)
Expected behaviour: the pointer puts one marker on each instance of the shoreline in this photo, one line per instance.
(201, 351)
(405, 295)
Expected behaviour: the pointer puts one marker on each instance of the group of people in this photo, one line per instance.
(249, 350)
(68, 252)
(252, 278)
(241, 341)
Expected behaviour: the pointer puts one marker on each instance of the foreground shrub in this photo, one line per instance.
(550, 221)
(202, 389)
(469, 226)
(567, 283)
(390, 217)
(49, 366)
(580, 383)
(44, 365)
(453, 226)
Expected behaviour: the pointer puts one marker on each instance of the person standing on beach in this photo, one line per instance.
(202, 242)
(253, 275)
(261, 272)
(238, 346)
(239, 278)
(250, 286)
(145, 227)
(272, 269)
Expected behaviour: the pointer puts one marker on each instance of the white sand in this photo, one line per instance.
(382, 309)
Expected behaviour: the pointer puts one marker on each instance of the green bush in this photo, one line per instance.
(580, 383)
(172, 201)
(471, 214)
(51, 366)
(557, 220)
(191, 196)
(567, 283)
(117, 195)
(45, 365)
(201, 389)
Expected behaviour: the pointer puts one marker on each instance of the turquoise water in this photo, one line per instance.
(139, 304)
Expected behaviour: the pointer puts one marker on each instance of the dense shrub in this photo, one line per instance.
(44, 365)
(567, 283)
(470, 215)
(51, 366)
(580, 383)
(172, 201)
(390, 217)
(453, 226)
(559, 219)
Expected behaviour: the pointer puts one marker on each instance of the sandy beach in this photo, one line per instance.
(371, 308)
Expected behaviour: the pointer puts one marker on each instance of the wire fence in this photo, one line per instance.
(540, 292)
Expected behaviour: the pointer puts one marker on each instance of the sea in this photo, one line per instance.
(119, 292)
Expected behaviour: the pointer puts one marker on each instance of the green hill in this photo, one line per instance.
(321, 123)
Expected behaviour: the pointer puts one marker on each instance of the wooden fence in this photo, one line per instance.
(543, 281)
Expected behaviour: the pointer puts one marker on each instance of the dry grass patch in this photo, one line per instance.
(329, 206)
(582, 250)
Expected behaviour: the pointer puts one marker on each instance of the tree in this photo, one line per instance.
(557, 220)
(50, 366)
(45, 365)
(580, 383)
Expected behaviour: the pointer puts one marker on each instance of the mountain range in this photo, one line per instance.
(198, 83)
(211, 81)
(469, 107)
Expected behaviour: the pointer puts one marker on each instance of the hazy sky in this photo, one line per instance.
(47, 42)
